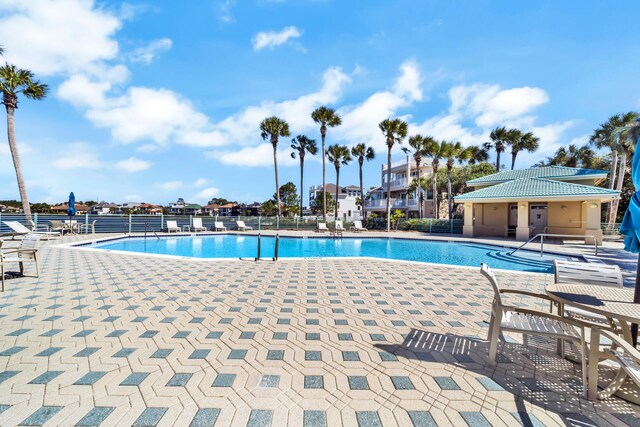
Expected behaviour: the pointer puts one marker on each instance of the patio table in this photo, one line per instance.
(616, 304)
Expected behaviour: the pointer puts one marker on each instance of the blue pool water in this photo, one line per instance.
(234, 246)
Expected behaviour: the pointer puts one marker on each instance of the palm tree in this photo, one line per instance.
(325, 117)
(436, 150)
(272, 128)
(477, 154)
(302, 145)
(499, 137)
(418, 143)
(394, 131)
(572, 156)
(452, 152)
(522, 142)
(362, 153)
(419, 185)
(14, 81)
(338, 154)
(627, 135)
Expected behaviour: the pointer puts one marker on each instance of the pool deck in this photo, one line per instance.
(104, 338)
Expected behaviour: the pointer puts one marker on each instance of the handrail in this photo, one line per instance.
(543, 235)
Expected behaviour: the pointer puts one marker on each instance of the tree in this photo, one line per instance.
(419, 185)
(499, 138)
(571, 156)
(394, 131)
(288, 198)
(477, 154)
(325, 117)
(338, 155)
(15, 81)
(302, 145)
(219, 201)
(362, 153)
(435, 150)
(269, 208)
(272, 128)
(452, 152)
(522, 142)
(418, 143)
(627, 135)
(317, 206)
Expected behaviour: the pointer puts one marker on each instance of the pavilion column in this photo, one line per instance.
(467, 229)
(592, 220)
(522, 230)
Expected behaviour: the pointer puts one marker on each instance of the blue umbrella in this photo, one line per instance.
(72, 205)
(630, 227)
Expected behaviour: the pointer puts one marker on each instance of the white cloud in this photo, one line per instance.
(224, 8)
(272, 39)
(170, 185)
(206, 194)
(132, 164)
(260, 155)
(200, 182)
(78, 155)
(147, 53)
(57, 37)
(132, 198)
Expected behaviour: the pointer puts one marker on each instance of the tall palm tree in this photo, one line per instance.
(362, 153)
(302, 145)
(325, 117)
(499, 137)
(419, 185)
(14, 81)
(338, 155)
(417, 142)
(627, 135)
(452, 152)
(272, 128)
(572, 156)
(603, 138)
(436, 150)
(477, 154)
(522, 142)
(394, 131)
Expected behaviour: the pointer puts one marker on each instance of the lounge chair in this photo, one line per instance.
(57, 226)
(219, 226)
(357, 226)
(338, 225)
(20, 229)
(587, 273)
(26, 252)
(197, 225)
(242, 227)
(172, 226)
(531, 322)
(86, 227)
(624, 354)
(322, 227)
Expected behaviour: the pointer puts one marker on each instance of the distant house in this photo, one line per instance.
(180, 207)
(10, 209)
(63, 208)
(246, 210)
(211, 210)
(347, 197)
(226, 210)
(103, 208)
(149, 209)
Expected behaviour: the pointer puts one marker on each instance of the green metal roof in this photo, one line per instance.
(535, 187)
(557, 172)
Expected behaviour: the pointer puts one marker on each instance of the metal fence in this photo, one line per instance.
(611, 229)
(155, 223)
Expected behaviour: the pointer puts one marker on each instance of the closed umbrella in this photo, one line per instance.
(630, 227)
(71, 211)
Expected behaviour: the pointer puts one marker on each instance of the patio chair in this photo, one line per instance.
(20, 229)
(90, 226)
(219, 226)
(26, 252)
(172, 226)
(357, 226)
(322, 227)
(531, 322)
(629, 359)
(587, 273)
(197, 225)
(242, 227)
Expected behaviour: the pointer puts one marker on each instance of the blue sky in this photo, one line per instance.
(159, 100)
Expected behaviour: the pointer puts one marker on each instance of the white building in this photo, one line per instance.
(403, 172)
(347, 196)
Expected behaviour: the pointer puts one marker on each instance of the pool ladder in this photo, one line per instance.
(275, 257)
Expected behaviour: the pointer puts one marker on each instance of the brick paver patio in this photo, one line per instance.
(111, 339)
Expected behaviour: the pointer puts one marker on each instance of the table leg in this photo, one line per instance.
(594, 357)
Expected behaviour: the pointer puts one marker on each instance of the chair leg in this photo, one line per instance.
(493, 338)
(2, 272)
(584, 350)
(21, 268)
(35, 259)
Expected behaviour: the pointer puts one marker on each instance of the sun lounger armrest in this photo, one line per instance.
(620, 342)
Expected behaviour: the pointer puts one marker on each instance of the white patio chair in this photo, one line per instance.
(322, 227)
(172, 226)
(84, 228)
(57, 226)
(531, 322)
(20, 229)
(26, 252)
(197, 225)
(242, 227)
(338, 225)
(587, 273)
(629, 359)
(219, 226)
(357, 226)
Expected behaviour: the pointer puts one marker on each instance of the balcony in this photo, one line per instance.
(396, 183)
(398, 204)
(411, 203)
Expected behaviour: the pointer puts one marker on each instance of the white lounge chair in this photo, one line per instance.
(624, 354)
(322, 227)
(26, 252)
(197, 225)
(20, 229)
(357, 226)
(587, 273)
(531, 322)
(57, 226)
(242, 227)
(172, 226)
(219, 226)
(338, 225)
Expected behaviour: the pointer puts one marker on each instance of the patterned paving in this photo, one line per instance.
(110, 339)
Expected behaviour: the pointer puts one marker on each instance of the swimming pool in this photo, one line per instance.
(440, 252)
